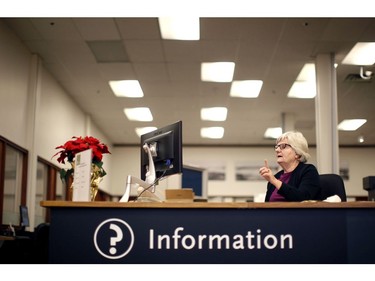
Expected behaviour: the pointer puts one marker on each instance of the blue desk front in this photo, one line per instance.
(211, 233)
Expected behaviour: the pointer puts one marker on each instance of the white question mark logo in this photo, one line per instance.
(123, 237)
(115, 239)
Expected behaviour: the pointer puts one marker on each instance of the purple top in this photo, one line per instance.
(275, 196)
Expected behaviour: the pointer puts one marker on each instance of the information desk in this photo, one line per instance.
(214, 233)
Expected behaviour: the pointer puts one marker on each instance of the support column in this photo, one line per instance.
(34, 92)
(326, 115)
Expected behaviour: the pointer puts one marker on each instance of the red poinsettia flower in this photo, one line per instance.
(79, 144)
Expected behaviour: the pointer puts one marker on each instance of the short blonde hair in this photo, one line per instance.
(298, 142)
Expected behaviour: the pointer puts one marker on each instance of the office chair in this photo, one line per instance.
(331, 184)
(41, 243)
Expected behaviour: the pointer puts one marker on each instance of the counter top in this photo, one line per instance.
(208, 205)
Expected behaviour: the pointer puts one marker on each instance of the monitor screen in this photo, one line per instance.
(165, 145)
(24, 216)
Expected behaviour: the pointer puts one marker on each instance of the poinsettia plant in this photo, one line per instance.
(69, 150)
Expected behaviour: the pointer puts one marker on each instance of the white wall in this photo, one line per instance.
(59, 119)
(36, 113)
(14, 75)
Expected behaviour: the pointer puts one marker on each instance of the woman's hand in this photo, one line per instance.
(267, 174)
(265, 171)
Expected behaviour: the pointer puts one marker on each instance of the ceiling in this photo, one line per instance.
(270, 49)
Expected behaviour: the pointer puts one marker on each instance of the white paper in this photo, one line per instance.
(333, 198)
(82, 176)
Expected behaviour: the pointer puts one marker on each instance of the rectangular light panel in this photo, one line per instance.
(217, 71)
(126, 88)
(179, 28)
(351, 124)
(363, 53)
(305, 85)
(214, 113)
(142, 114)
(212, 132)
(246, 88)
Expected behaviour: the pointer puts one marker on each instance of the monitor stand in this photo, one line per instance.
(146, 189)
(146, 196)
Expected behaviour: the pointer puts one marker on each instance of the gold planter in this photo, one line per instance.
(96, 178)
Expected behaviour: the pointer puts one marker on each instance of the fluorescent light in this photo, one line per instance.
(138, 114)
(305, 85)
(214, 113)
(351, 124)
(181, 28)
(273, 133)
(307, 73)
(217, 71)
(302, 90)
(144, 130)
(246, 88)
(361, 54)
(126, 88)
(212, 132)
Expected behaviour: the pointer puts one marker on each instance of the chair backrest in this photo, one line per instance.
(41, 243)
(332, 184)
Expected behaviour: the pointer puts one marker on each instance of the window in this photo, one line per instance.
(13, 184)
(49, 187)
(40, 192)
(13, 171)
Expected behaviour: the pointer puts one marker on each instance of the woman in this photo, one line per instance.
(297, 181)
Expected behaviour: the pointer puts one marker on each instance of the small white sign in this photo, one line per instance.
(82, 176)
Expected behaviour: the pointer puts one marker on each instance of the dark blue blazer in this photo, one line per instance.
(303, 184)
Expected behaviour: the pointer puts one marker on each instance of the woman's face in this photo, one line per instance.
(285, 154)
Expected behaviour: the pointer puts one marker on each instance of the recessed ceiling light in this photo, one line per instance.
(212, 132)
(305, 85)
(214, 113)
(307, 73)
(138, 114)
(144, 130)
(302, 90)
(351, 124)
(273, 133)
(217, 71)
(361, 139)
(246, 88)
(363, 53)
(126, 88)
(179, 28)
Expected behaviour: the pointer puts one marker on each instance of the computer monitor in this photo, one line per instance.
(161, 156)
(161, 152)
(24, 217)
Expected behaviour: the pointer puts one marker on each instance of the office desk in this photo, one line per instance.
(16, 249)
(214, 233)
(6, 238)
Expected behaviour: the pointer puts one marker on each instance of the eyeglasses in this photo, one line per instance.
(282, 146)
